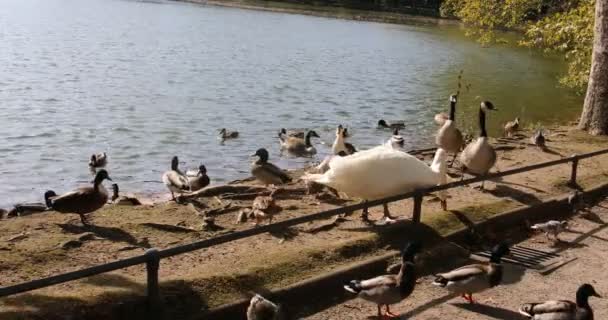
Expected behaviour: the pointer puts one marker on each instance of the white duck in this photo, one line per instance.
(396, 141)
(340, 144)
(382, 172)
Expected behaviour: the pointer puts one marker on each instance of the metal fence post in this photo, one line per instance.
(417, 207)
(574, 170)
(152, 266)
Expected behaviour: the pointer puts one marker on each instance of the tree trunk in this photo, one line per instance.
(594, 118)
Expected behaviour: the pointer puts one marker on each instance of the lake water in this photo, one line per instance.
(144, 81)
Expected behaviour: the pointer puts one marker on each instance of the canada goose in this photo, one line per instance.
(511, 127)
(389, 289)
(299, 147)
(448, 136)
(396, 141)
(267, 172)
(475, 278)
(291, 133)
(98, 160)
(384, 125)
(174, 179)
(551, 227)
(224, 134)
(563, 309)
(538, 139)
(264, 208)
(340, 144)
(123, 200)
(441, 118)
(262, 309)
(478, 157)
(381, 172)
(199, 180)
(82, 200)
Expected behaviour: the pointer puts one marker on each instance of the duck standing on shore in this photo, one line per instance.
(175, 180)
(81, 201)
(199, 179)
(340, 143)
(389, 289)
(478, 157)
(123, 200)
(538, 139)
(563, 309)
(266, 172)
(511, 127)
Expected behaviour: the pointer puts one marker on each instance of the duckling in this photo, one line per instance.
(262, 309)
(225, 135)
(267, 172)
(199, 180)
(441, 118)
(291, 133)
(264, 208)
(174, 179)
(478, 157)
(448, 136)
(299, 147)
(98, 160)
(340, 144)
(81, 201)
(123, 200)
(389, 289)
(563, 309)
(551, 227)
(474, 278)
(538, 139)
(384, 125)
(396, 141)
(511, 127)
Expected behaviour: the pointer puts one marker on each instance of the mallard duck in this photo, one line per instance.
(24, 209)
(511, 127)
(262, 309)
(299, 147)
(264, 208)
(551, 227)
(563, 309)
(381, 172)
(475, 278)
(389, 289)
(123, 200)
(441, 118)
(396, 141)
(478, 157)
(224, 134)
(81, 201)
(98, 160)
(199, 179)
(291, 133)
(340, 144)
(174, 179)
(449, 137)
(538, 139)
(267, 172)
(384, 125)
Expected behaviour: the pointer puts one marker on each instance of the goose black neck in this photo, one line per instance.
(307, 139)
(482, 123)
(582, 300)
(452, 110)
(408, 278)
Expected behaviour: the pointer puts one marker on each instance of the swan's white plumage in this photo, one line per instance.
(381, 172)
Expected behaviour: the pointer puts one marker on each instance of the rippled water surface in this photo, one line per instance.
(144, 81)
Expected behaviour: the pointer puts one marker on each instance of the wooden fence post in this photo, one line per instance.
(153, 292)
(574, 171)
(417, 207)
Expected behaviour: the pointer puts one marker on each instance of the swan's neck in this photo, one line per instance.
(482, 123)
(339, 142)
(452, 110)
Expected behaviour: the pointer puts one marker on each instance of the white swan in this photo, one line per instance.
(382, 172)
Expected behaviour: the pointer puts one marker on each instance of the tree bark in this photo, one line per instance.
(594, 118)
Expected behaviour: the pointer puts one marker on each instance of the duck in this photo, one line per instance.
(441, 118)
(24, 209)
(123, 200)
(538, 139)
(511, 127)
(266, 172)
(225, 134)
(396, 141)
(261, 308)
(174, 179)
(381, 172)
(385, 125)
(340, 144)
(264, 208)
(478, 157)
(389, 289)
(291, 133)
(199, 179)
(475, 278)
(81, 201)
(299, 147)
(448, 136)
(563, 309)
(99, 160)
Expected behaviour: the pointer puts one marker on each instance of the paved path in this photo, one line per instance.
(587, 244)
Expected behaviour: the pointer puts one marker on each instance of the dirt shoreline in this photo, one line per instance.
(46, 244)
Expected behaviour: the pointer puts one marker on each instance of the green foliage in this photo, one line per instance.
(564, 26)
